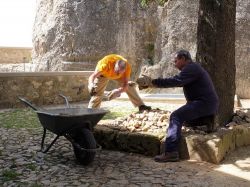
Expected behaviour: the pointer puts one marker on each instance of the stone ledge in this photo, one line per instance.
(115, 139)
(45, 73)
(210, 147)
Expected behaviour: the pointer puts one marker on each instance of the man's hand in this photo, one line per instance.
(144, 82)
(92, 89)
(114, 94)
(131, 83)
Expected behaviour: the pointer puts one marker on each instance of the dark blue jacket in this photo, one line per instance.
(196, 82)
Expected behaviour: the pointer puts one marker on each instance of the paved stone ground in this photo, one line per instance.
(21, 164)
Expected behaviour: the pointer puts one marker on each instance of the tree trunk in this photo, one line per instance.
(216, 50)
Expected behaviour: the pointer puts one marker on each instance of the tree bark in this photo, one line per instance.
(216, 50)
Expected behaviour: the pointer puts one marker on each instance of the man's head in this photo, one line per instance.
(120, 66)
(182, 58)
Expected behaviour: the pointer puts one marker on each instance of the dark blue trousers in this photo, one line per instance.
(190, 111)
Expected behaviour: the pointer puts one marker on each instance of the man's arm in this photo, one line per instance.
(187, 75)
(93, 76)
(117, 92)
(91, 85)
(124, 86)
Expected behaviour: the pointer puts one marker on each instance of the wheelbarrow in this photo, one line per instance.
(75, 124)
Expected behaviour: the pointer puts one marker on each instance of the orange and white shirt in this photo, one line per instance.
(107, 66)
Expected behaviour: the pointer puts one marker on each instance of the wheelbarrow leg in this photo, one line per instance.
(50, 145)
(44, 134)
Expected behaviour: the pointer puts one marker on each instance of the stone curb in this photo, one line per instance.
(115, 139)
(210, 147)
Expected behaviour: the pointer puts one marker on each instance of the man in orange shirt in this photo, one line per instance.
(113, 67)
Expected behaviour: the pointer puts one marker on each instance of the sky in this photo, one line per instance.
(16, 19)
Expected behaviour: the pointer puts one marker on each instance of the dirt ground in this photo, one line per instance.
(233, 171)
(237, 163)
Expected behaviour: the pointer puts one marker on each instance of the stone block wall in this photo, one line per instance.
(211, 148)
(42, 88)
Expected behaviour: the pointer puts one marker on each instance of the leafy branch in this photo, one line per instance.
(144, 3)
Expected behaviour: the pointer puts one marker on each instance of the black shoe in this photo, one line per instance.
(167, 157)
(144, 107)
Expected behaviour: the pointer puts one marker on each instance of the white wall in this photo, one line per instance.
(16, 20)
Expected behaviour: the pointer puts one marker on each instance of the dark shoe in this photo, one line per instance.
(167, 157)
(144, 107)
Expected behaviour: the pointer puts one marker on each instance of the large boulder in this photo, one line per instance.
(242, 49)
(80, 31)
(177, 30)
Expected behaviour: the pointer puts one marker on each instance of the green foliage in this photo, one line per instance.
(144, 3)
(36, 185)
(31, 166)
(151, 47)
(9, 175)
(19, 118)
(150, 50)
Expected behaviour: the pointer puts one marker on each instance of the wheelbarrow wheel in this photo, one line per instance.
(86, 140)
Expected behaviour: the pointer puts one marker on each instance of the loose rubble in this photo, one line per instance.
(147, 121)
(152, 122)
(241, 116)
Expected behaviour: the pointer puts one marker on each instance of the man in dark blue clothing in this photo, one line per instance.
(199, 92)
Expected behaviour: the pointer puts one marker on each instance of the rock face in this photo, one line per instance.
(177, 30)
(85, 31)
(242, 48)
(67, 32)
(80, 31)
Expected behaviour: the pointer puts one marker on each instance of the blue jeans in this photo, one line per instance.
(190, 111)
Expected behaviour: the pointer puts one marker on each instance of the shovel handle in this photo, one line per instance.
(28, 103)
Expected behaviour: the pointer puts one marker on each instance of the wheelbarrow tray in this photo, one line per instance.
(61, 121)
(75, 124)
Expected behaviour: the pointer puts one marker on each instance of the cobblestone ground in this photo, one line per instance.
(21, 164)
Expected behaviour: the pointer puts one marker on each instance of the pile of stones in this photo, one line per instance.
(156, 121)
(241, 116)
(153, 121)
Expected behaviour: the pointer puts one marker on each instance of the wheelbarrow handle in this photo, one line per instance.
(26, 102)
(65, 98)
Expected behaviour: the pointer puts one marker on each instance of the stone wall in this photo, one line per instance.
(42, 88)
(14, 55)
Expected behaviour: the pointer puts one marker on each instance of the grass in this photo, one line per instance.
(31, 166)
(27, 118)
(19, 118)
(36, 185)
(9, 175)
(116, 112)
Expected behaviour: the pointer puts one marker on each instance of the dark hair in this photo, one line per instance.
(183, 53)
